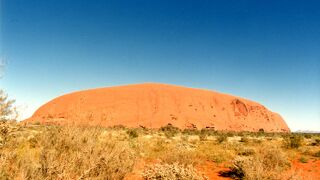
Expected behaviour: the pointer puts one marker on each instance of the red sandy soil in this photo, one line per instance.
(154, 105)
(213, 170)
(309, 170)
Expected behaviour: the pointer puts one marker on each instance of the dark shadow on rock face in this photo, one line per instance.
(239, 107)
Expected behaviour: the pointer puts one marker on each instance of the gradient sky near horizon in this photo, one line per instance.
(266, 51)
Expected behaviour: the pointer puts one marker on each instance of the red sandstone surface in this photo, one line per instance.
(154, 105)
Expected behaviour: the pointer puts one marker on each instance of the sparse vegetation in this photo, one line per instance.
(170, 130)
(246, 152)
(244, 140)
(303, 159)
(315, 142)
(203, 135)
(132, 133)
(65, 152)
(293, 141)
(62, 152)
(7, 110)
(267, 163)
(222, 138)
(171, 171)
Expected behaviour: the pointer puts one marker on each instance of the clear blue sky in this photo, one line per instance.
(267, 51)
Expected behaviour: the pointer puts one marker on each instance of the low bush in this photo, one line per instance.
(170, 130)
(222, 138)
(118, 127)
(246, 152)
(232, 134)
(244, 140)
(293, 141)
(315, 142)
(267, 163)
(203, 135)
(132, 133)
(307, 136)
(171, 172)
(190, 132)
(303, 159)
(209, 131)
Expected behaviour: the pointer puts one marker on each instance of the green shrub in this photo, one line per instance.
(203, 135)
(191, 132)
(244, 139)
(170, 134)
(169, 127)
(208, 131)
(232, 134)
(222, 138)
(170, 130)
(308, 136)
(132, 133)
(293, 141)
(303, 159)
(261, 133)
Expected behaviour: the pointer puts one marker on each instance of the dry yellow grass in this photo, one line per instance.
(54, 152)
(64, 153)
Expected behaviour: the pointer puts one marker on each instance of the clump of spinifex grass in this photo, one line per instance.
(171, 171)
(293, 141)
(266, 163)
(170, 130)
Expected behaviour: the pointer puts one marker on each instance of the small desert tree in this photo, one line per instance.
(7, 110)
